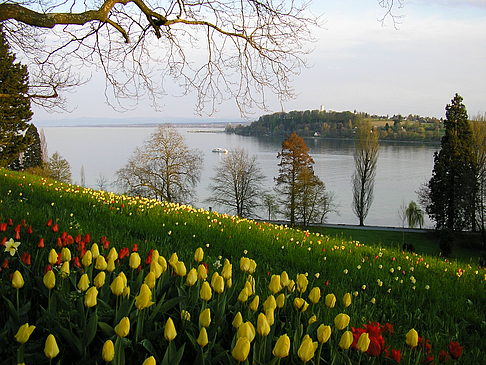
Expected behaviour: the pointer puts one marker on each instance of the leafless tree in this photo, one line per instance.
(102, 182)
(59, 168)
(478, 128)
(365, 159)
(164, 168)
(237, 183)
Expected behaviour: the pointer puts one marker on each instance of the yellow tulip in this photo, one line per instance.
(307, 349)
(302, 283)
(149, 361)
(341, 321)
(163, 263)
(50, 348)
(108, 351)
(99, 279)
(23, 333)
(185, 315)
(330, 300)
(237, 321)
(205, 318)
(155, 255)
(112, 255)
(275, 286)
(156, 269)
(245, 264)
(254, 303)
(144, 298)
(180, 269)
(280, 300)
(323, 333)
(241, 350)
(124, 278)
(126, 292)
(282, 347)
(202, 339)
(243, 296)
(199, 254)
(87, 259)
(52, 258)
(49, 279)
(64, 270)
(250, 285)
(205, 293)
(123, 327)
(315, 295)
(300, 304)
(411, 339)
(263, 328)
(253, 266)
(291, 286)
(117, 286)
(150, 279)
(229, 283)
(169, 330)
(90, 298)
(173, 259)
(65, 254)
(312, 319)
(363, 342)
(247, 330)
(17, 280)
(100, 263)
(134, 260)
(202, 273)
(191, 277)
(95, 250)
(218, 285)
(347, 300)
(270, 303)
(346, 340)
(83, 283)
(110, 265)
(270, 314)
(227, 271)
(284, 279)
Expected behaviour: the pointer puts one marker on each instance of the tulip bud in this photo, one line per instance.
(275, 286)
(149, 361)
(65, 270)
(163, 263)
(323, 333)
(330, 300)
(205, 293)
(52, 256)
(173, 260)
(95, 250)
(205, 317)
(263, 328)
(185, 315)
(83, 283)
(169, 330)
(202, 339)
(284, 279)
(123, 327)
(315, 295)
(254, 303)
(65, 254)
(49, 279)
(237, 321)
(282, 347)
(202, 273)
(108, 351)
(341, 321)
(144, 298)
(241, 350)
(247, 330)
(218, 284)
(17, 280)
(134, 260)
(99, 279)
(302, 283)
(347, 300)
(199, 254)
(90, 298)
(180, 269)
(87, 258)
(191, 277)
(50, 348)
(307, 349)
(363, 342)
(112, 255)
(110, 265)
(150, 279)
(227, 271)
(23, 333)
(411, 339)
(280, 300)
(346, 340)
(312, 319)
(117, 286)
(100, 263)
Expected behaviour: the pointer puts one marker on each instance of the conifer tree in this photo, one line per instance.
(32, 156)
(15, 110)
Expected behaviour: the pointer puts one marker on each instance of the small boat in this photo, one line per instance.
(220, 150)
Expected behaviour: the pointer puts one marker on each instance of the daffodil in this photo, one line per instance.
(11, 247)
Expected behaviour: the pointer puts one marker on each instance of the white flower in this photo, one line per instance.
(11, 246)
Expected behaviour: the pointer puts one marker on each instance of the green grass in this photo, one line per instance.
(446, 303)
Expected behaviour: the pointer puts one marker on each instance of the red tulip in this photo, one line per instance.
(443, 356)
(41, 243)
(134, 247)
(87, 238)
(148, 260)
(78, 239)
(49, 223)
(124, 252)
(3, 227)
(29, 230)
(59, 242)
(455, 349)
(47, 268)
(55, 228)
(25, 257)
(4, 239)
(396, 355)
(5, 264)
(24, 222)
(10, 222)
(76, 261)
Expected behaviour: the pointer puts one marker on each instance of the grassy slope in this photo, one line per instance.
(437, 313)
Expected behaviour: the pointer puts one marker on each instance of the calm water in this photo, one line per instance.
(402, 168)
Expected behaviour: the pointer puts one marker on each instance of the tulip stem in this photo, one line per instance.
(319, 354)
(18, 305)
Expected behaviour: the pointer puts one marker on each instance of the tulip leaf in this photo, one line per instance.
(107, 330)
(71, 338)
(11, 308)
(91, 327)
(178, 357)
(148, 346)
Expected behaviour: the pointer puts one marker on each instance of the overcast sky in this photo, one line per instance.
(438, 49)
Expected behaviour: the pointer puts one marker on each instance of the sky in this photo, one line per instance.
(436, 49)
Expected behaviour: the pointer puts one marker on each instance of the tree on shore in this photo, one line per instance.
(15, 112)
(163, 168)
(366, 148)
(478, 128)
(414, 215)
(238, 183)
(59, 168)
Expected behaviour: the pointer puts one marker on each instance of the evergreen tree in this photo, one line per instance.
(32, 156)
(15, 110)
(453, 185)
(59, 168)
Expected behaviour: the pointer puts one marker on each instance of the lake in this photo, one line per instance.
(402, 167)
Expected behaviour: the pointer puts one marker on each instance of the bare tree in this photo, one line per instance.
(269, 202)
(238, 183)
(478, 128)
(164, 168)
(139, 43)
(365, 159)
(44, 150)
(59, 168)
(102, 182)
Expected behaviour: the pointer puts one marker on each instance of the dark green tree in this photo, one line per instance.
(452, 187)
(32, 156)
(15, 110)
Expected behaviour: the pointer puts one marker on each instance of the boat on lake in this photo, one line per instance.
(220, 150)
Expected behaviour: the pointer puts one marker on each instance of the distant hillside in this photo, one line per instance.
(333, 124)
